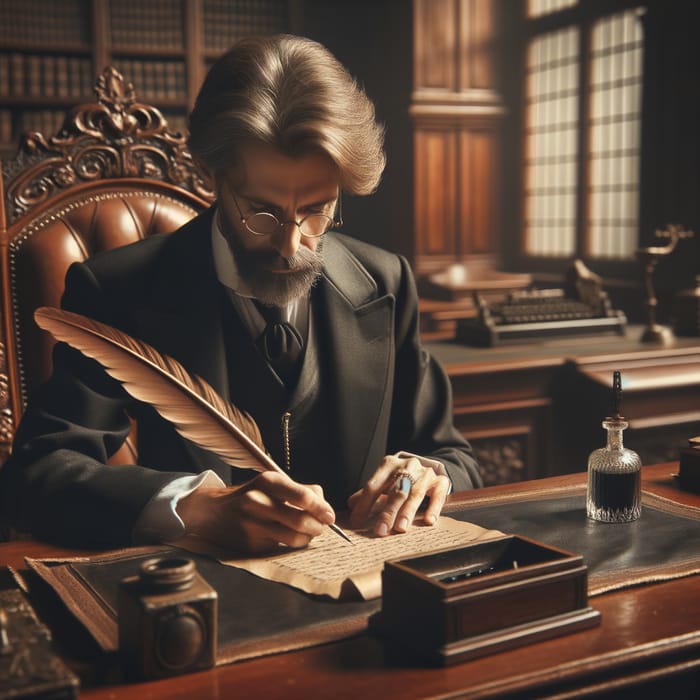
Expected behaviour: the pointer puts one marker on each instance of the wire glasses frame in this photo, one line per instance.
(264, 223)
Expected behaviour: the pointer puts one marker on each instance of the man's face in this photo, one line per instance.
(283, 265)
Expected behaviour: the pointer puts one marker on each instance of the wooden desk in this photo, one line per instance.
(534, 409)
(649, 635)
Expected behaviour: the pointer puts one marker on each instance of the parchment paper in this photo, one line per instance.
(332, 567)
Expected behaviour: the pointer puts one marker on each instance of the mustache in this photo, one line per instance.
(302, 259)
(262, 274)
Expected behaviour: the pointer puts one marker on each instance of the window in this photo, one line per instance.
(581, 129)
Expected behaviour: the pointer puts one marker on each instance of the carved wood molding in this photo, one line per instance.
(115, 137)
(502, 460)
(476, 108)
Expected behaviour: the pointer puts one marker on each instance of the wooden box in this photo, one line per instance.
(452, 605)
(689, 468)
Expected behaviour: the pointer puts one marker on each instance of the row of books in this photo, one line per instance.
(40, 76)
(135, 24)
(156, 23)
(35, 76)
(46, 121)
(155, 80)
(45, 22)
(225, 21)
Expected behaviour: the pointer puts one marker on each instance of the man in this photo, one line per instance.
(359, 414)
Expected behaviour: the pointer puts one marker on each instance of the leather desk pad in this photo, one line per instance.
(660, 545)
(258, 617)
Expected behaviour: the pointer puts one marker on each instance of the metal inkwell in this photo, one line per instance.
(167, 618)
(452, 605)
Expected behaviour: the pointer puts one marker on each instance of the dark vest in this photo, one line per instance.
(255, 388)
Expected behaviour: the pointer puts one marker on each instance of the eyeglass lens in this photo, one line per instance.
(265, 224)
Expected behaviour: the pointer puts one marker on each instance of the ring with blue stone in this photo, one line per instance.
(404, 481)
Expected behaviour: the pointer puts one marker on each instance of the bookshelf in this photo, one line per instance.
(51, 52)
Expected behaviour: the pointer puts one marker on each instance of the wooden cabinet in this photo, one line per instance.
(661, 401)
(534, 410)
(457, 113)
(505, 409)
(51, 53)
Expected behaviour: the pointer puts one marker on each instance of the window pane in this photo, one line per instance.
(616, 73)
(536, 8)
(552, 143)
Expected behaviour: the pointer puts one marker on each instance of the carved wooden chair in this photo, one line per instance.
(113, 174)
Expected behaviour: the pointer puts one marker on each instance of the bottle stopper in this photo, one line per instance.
(617, 394)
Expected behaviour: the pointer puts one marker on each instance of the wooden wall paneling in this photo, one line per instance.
(435, 41)
(478, 30)
(436, 194)
(477, 185)
(454, 95)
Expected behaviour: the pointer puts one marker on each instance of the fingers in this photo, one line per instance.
(262, 506)
(396, 491)
(269, 510)
(436, 500)
(308, 498)
(362, 505)
(400, 508)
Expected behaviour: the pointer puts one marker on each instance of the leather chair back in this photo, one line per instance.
(112, 175)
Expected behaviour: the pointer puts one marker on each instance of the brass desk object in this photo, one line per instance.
(453, 605)
(29, 667)
(650, 257)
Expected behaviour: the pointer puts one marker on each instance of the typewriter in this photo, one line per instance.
(581, 307)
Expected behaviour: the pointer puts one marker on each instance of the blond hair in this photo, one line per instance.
(291, 93)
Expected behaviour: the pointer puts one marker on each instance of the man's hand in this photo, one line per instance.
(396, 491)
(269, 510)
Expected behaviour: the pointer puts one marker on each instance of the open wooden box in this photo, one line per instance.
(452, 605)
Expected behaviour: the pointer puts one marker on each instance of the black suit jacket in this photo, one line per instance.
(388, 393)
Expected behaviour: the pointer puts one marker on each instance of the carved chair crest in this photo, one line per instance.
(115, 155)
(116, 137)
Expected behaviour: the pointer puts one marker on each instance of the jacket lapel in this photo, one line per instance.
(359, 328)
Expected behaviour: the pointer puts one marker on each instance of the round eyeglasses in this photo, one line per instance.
(264, 223)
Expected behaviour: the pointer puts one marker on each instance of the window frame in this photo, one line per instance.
(518, 34)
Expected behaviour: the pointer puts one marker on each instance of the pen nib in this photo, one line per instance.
(340, 532)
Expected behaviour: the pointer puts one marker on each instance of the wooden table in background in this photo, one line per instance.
(534, 409)
(649, 636)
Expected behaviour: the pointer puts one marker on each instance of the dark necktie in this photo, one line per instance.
(281, 344)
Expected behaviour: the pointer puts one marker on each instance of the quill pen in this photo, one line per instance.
(190, 403)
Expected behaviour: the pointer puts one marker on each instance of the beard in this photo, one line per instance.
(259, 270)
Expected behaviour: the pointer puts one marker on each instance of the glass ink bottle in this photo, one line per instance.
(614, 472)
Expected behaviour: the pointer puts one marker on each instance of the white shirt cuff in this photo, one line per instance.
(159, 521)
